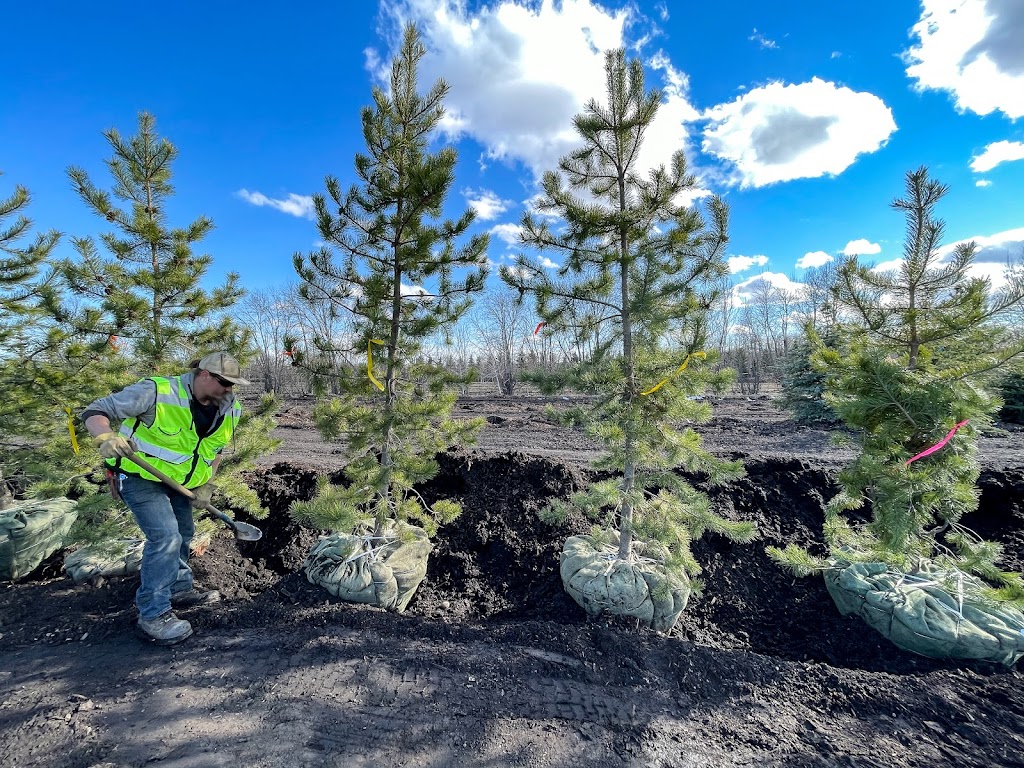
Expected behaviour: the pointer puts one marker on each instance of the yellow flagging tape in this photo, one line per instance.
(71, 429)
(679, 370)
(369, 363)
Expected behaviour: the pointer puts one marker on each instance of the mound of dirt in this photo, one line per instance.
(493, 664)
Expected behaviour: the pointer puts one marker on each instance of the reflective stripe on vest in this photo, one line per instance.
(171, 443)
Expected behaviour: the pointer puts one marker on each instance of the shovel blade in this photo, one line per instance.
(246, 532)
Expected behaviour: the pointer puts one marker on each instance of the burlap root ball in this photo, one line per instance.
(113, 559)
(601, 583)
(360, 570)
(31, 531)
(931, 612)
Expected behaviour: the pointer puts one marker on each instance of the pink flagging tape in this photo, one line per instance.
(939, 444)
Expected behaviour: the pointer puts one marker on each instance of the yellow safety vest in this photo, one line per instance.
(171, 443)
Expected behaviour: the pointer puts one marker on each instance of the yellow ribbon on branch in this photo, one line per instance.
(369, 363)
(679, 370)
(71, 429)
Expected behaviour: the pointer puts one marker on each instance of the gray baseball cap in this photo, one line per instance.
(224, 365)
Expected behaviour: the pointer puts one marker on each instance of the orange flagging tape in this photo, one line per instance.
(939, 444)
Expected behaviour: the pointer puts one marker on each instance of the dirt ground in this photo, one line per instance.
(492, 664)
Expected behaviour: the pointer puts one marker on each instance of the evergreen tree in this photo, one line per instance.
(146, 296)
(20, 264)
(916, 357)
(637, 263)
(396, 280)
(23, 414)
(144, 301)
(803, 387)
(1011, 390)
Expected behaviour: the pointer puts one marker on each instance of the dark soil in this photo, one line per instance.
(493, 664)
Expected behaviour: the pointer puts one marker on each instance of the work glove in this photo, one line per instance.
(112, 445)
(202, 496)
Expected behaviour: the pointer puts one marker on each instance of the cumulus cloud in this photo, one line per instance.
(992, 254)
(743, 263)
(548, 263)
(519, 72)
(999, 152)
(747, 290)
(486, 203)
(813, 259)
(294, 205)
(861, 247)
(507, 232)
(983, 183)
(971, 49)
(780, 132)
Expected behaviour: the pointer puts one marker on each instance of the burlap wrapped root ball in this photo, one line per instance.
(361, 569)
(932, 612)
(31, 531)
(600, 582)
(93, 562)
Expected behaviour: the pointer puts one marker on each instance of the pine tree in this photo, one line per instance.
(917, 356)
(637, 265)
(21, 262)
(146, 296)
(20, 265)
(395, 278)
(144, 302)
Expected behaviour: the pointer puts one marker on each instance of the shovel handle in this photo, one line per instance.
(180, 488)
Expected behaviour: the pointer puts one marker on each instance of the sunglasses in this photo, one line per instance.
(222, 382)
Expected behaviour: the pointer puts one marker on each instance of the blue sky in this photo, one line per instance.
(804, 115)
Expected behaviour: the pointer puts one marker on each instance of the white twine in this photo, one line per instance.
(370, 551)
(922, 583)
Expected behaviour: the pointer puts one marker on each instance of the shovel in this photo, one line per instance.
(242, 531)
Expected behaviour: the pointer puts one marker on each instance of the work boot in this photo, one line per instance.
(190, 598)
(167, 629)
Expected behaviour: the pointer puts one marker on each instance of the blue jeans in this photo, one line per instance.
(165, 517)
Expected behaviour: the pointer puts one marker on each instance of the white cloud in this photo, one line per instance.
(295, 205)
(548, 263)
(508, 232)
(519, 72)
(973, 50)
(861, 247)
(414, 290)
(743, 263)
(992, 254)
(813, 259)
(761, 40)
(780, 132)
(748, 289)
(983, 183)
(999, 152)
(486, 203)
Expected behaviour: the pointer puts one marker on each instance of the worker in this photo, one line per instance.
(179, 425)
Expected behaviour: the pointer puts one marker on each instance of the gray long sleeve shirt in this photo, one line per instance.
(139, 399)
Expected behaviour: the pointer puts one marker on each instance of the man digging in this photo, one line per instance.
(178, 425)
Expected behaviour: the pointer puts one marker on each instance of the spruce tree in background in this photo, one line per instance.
(641, 262)
(917, 357)
(395, 276)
